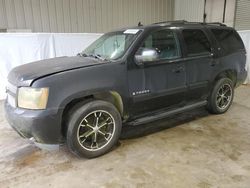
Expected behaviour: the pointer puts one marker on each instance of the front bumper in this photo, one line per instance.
(43, 125)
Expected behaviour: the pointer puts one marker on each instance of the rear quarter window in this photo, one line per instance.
(229, 40)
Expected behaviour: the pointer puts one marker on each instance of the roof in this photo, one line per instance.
(184, 23)
(179, 23)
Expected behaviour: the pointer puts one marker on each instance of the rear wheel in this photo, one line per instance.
(221, 97)
(93, 129)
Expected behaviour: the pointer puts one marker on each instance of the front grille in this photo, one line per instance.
(11, 88)
(11, 94)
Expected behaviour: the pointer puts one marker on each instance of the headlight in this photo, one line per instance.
(33, 98)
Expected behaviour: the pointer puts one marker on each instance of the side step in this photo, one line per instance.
(164, 114)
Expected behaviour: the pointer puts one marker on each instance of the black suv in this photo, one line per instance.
(130, 76)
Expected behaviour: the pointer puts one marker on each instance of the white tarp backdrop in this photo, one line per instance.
(20, 48)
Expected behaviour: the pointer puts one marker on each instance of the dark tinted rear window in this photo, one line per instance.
(196, 42)
(229, 40)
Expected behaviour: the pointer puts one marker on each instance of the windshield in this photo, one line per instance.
(112, 45)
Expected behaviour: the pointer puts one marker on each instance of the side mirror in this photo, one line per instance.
(145, 55)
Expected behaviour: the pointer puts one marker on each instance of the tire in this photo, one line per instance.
(93, 128)
(221, 97)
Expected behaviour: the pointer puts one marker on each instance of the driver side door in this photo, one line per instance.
(158, 81)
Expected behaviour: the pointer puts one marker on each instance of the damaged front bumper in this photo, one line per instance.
(40, 126)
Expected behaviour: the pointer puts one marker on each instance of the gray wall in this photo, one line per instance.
(190, 10)
(214, 10)
(242, 18)
(81, 15)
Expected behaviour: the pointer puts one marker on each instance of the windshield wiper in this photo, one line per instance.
(81, 54)
(97, 56)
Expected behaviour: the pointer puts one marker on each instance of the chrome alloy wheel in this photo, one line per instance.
(224, 96)
(96, 130)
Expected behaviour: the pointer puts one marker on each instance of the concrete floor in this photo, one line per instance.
(195, 149)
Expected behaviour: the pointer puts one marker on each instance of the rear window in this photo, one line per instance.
(196, 42)
(229, 40)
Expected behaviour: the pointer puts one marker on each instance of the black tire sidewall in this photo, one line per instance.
(76, 117)
(212, 102)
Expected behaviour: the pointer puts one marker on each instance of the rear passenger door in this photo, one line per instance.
(199, 61)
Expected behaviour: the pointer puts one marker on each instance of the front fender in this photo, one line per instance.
(69, 85)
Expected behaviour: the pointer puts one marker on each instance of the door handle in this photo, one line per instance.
(178, 69)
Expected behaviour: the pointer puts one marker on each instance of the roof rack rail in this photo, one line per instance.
(171, 22)
(217, 23)
(187, 22)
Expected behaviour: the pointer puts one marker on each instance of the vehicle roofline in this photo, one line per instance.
(177, 24)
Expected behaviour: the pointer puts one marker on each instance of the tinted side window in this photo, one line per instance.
(164, 42)
(196, 42)
(229, 40)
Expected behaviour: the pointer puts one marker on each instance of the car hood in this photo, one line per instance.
(25, 74)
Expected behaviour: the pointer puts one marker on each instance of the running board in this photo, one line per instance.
(157, 116)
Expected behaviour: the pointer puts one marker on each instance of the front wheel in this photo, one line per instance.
(221, 97)
(93, 129)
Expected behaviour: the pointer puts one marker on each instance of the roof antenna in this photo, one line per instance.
(140, 24)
